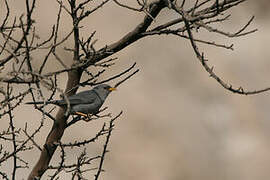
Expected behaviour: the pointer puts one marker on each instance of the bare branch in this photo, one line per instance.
(204, 62)
(106, 145)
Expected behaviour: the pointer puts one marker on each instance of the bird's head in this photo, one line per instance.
(104, 90)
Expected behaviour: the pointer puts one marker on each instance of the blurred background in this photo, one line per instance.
(178, 123)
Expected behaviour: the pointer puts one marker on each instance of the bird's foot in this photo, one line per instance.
(88, 118)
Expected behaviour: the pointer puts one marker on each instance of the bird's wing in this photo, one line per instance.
(84, 97)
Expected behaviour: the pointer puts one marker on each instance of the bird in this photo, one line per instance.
(85, 102)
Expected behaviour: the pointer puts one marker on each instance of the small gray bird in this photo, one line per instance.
(85, 102)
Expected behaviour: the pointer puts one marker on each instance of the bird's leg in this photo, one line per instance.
(81, 114)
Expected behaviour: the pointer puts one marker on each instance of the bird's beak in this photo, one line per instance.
(112, 89)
